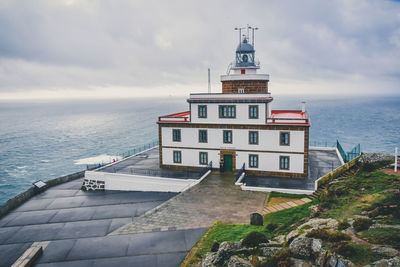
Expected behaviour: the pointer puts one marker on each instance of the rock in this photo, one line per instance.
(305, 248)
(208, 260)
(270, 251)
(301, 263)
(314, 211)
(375, 157)
(235, 261)
(270, 244)
(373, 213)
(386, 263)
(322, 258)
(385, 251)
(225, 250)
(280, 239)
(318, 223)
(347, 263)
(292, 235)
(256, 219)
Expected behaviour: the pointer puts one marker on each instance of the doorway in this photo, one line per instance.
(228, 163)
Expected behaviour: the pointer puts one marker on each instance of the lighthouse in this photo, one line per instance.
(237, 128)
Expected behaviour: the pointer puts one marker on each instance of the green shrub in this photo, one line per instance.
(215, 246)
(254, 239)
(326, 235)
(271, 227)
(343, 224)
(360, 224)
(358, 253)
(385, 236)
(281, 259)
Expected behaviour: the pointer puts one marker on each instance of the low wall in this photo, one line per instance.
(23, 197)
(127, 182)
(335, 173)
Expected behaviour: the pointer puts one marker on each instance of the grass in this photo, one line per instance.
(356, 193)
(359, 254)
(386, 236)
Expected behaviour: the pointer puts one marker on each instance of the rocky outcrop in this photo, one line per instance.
(385, 263)
(225, 251)
(305, 248)
(384, 251)
(236, 261)
(375, 157)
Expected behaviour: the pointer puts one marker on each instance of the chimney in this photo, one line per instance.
(303, 106)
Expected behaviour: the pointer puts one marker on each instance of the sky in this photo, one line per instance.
(118, 48)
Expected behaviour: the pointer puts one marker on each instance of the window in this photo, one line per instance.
(202, 111)
(227, 111)
(253, 138)
(240, 91)
(253, 161)
(176, 135)
(227, 136)
(284, 162)
(253, 112)
(285, 139)
(203, 158)
(203, 136)
(177, 157)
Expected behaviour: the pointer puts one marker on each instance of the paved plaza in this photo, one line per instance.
(215, 198)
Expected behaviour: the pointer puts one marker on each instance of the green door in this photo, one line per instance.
(228, 163)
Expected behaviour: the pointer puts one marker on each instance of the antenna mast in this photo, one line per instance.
(209, 82)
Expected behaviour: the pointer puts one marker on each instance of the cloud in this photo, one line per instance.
(81, 46)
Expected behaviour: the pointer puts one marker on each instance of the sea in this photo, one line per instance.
(41, 140)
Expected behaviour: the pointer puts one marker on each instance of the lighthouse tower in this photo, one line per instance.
(244, 78)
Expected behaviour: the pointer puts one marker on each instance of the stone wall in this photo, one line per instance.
(93, 185)
(249, 86)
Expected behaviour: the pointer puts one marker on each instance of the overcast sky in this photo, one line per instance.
(116, 48)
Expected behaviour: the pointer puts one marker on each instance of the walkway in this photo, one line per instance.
(286, 205)
(216, 198)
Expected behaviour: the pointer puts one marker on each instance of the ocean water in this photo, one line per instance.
(44, 140)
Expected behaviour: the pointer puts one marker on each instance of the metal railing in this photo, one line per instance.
(124, 155)
(240, 172)
(318, 143)
(355, 152)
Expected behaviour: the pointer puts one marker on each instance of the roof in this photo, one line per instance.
(278, 117)
(176, 117)
(291, 117)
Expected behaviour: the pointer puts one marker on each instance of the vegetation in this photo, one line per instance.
(385, 236)
(282, 259)
(327, 235)
(357, 253)
(360, 224)
(343, 224)
(254, 239)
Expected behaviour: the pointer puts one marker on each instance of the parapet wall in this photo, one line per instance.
(23, 197)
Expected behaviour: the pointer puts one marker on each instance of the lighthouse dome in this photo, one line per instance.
(244, 47)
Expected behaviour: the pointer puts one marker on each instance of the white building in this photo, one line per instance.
(237, 127)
